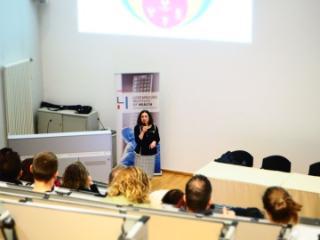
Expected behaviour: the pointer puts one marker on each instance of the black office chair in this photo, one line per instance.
(314, 169)
(238, 157)
(276, 163)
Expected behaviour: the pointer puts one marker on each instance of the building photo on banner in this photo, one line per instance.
(135, 92)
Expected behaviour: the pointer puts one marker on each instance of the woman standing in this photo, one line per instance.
(147, 137)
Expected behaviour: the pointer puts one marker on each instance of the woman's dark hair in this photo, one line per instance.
(173, 196)
(75, 176)
(10, 165)
(280, 205)
(139, 117)
(26, 174)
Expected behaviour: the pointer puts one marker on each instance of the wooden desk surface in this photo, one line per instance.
(244, 186)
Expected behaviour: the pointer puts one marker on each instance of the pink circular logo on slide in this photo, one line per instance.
(165, 13)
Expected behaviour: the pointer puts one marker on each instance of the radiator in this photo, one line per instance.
(17, 97)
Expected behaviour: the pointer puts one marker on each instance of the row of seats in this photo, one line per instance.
(274, 162)
(160, 219)
(162, 224)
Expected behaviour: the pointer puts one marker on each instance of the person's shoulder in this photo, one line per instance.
(136, 127)
(170, 207)
(121, 200)
(156, 197)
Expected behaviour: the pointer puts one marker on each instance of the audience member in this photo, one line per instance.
(282, 209)
(174, 197)
(198, 198)
(198, 194)
(114, 172)
(130, 186)
(167, 199)
(10, 166)
(76, 177)
(27, 175)
(45, 170)
(279, 206)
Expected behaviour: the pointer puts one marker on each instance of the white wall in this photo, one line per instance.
(261, 97)
(19, 39)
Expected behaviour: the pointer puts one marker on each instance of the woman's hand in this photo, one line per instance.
(145, 128)
(153, 145)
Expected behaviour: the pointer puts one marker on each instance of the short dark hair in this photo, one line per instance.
(139, 117)
(44, 166)
(198, 193)
(26, 174)
(10, 164)
(5, 150)
(173, 197)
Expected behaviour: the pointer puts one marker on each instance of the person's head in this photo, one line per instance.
(10, 165)
(5, 150)
(133, 183)
(26, 174)
(144, 118)
(114, 172)
(44, 166)
(174, 197)
(198, 194)
(75, 176)
(280, 206)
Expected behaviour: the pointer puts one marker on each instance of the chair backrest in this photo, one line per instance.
(160, 224)
(254, 231)
(42, 221)
(238, 157)
(314, 169)
(305, 232)
(186, 226)
(276, 163)
(182, 227)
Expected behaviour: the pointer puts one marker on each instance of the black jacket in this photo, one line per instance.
(10, 180)
(143, 144)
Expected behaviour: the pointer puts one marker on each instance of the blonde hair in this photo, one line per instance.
(114, 172)
(280, 205)
(133, 183)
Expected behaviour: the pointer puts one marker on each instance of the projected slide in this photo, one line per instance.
(217, 20)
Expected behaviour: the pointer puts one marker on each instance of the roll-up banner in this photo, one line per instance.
(135, 92)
